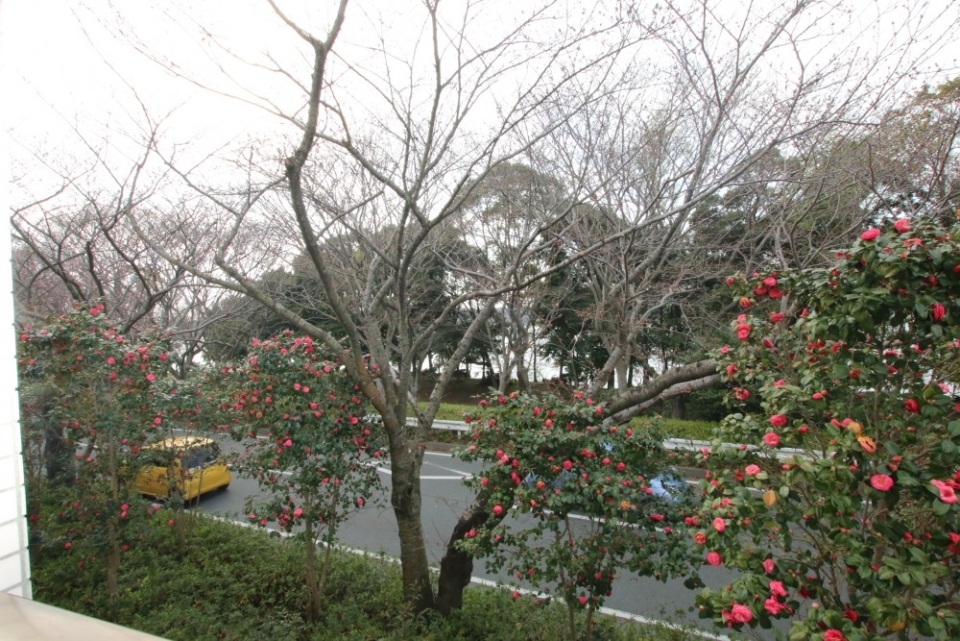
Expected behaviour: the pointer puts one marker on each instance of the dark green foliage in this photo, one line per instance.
(235, 583)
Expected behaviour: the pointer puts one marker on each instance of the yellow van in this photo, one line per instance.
(188, 465)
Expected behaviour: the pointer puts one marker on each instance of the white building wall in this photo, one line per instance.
(14, 560)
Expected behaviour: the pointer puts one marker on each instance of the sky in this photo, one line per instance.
(71, 66)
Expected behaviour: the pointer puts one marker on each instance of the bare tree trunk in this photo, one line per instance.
(620, 371)
(456, 567)
(406, 501)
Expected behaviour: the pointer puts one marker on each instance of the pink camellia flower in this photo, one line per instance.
(771, 439)
(738, 614)
(833, 635)
(773, 606)
(947, 493)
(911, 406)
(360, 501)
(777, 589)
(719, 524)
(938, 311)
(870, 234)
(902, 225)
(743, 331)
(776, 317)
(713, 558)
(751, 470)
(297, 513)
(778, 420)
(881, 482)
(768, 566)
(741, 394)
(498, 510)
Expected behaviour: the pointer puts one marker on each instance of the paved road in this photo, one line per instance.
(373, 529)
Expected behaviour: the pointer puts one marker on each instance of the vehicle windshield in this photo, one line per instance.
(200, 456)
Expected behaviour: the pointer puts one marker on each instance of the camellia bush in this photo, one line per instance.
(307, 444)
(584, 510)
(856, 536)
(86, 390)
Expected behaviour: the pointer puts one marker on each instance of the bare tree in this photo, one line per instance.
(643, 118)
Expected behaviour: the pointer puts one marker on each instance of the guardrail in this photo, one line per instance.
(682, 444)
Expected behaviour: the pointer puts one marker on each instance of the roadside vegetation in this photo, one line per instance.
(668, 427)
(238, 584)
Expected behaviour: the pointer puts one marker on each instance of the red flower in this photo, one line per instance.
(743, 331)
(741, 393)
(713, 558)
(938, 311)
(902, 225)
(833, 635)
(778, 420)
(911, 406)
(776, 317)
(881, 482)
(768, 566)
(947, 493)
(777, 589)
(773, 606)
(719, 524)
(771, 439)
(737, 615)
(870, 234)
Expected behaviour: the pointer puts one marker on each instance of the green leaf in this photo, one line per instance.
(940, 508)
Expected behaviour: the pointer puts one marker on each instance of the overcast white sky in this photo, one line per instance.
(55, 80)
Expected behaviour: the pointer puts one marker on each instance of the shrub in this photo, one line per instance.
(860, 539)
(550, 462)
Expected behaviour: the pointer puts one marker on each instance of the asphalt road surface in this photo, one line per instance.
(373, 529)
